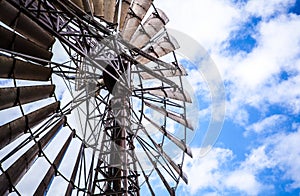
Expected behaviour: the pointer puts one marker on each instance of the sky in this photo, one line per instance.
(255, 45)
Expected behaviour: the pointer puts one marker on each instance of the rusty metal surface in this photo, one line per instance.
(132, 21)
(109, 10)
(10, 97)
(12, 130)
(24, 25)
(19, 168)
(17, 43)
(10, 68)
(98, 8)
(154, 23)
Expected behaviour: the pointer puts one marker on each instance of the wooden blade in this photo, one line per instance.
(74, 173)
(172, 138)
(79, 3)
(176, 117)
(170, 161)
(154, 23)
(10, 97)
(19, 168)
(134, 17)
(15, 42)
(98, 8)
(88, 6)
(12, 17)
(180, 71)
(175, 93)
(109, 10)
(124, 11)
(159, 48)
(45, 183)
(14, 68)
(170, 190)
(14, 129)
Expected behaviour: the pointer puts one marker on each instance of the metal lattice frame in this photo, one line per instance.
(114, 169)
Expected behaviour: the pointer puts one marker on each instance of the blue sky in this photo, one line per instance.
(256, 46)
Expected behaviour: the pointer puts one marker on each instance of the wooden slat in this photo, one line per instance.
(176, 117)
(74, 173)
(19, 168)
(159, 48)
(124, 11)
(14, 129)
(15, 42)
(11, 16)
(134, 18)
(14, 68)
(45, 183)
(109, 10)
(176, 93)
(98, 8)
(10, 97)
(154, 23)
(180, 71)
(172, 138)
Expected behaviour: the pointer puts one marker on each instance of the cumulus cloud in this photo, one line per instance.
(268, 124)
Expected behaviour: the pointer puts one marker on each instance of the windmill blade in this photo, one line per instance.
(160, 47)
(155, 22)
(12, 17)
(98, 8)
(45, 183)
(88, 6)
(15, 42)
(13, 96)
(172, 138)
(14, 68)
(124, 11)
(170, 190)
(176, 167)
(169, 160)
(74, 172)
(179, 71)
(18, 169)
(176, 117)
(12, 130)
(134, 17)
(109, 10)
(146, 177)
(79, 3)
(174, 93)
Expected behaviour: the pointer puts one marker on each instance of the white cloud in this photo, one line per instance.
(284, 151)
(269, 124)
(243, 181)
(212, 172)
(266, 8)
(206, 172)
(209, 21)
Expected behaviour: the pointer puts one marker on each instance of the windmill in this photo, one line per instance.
(126, 87)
